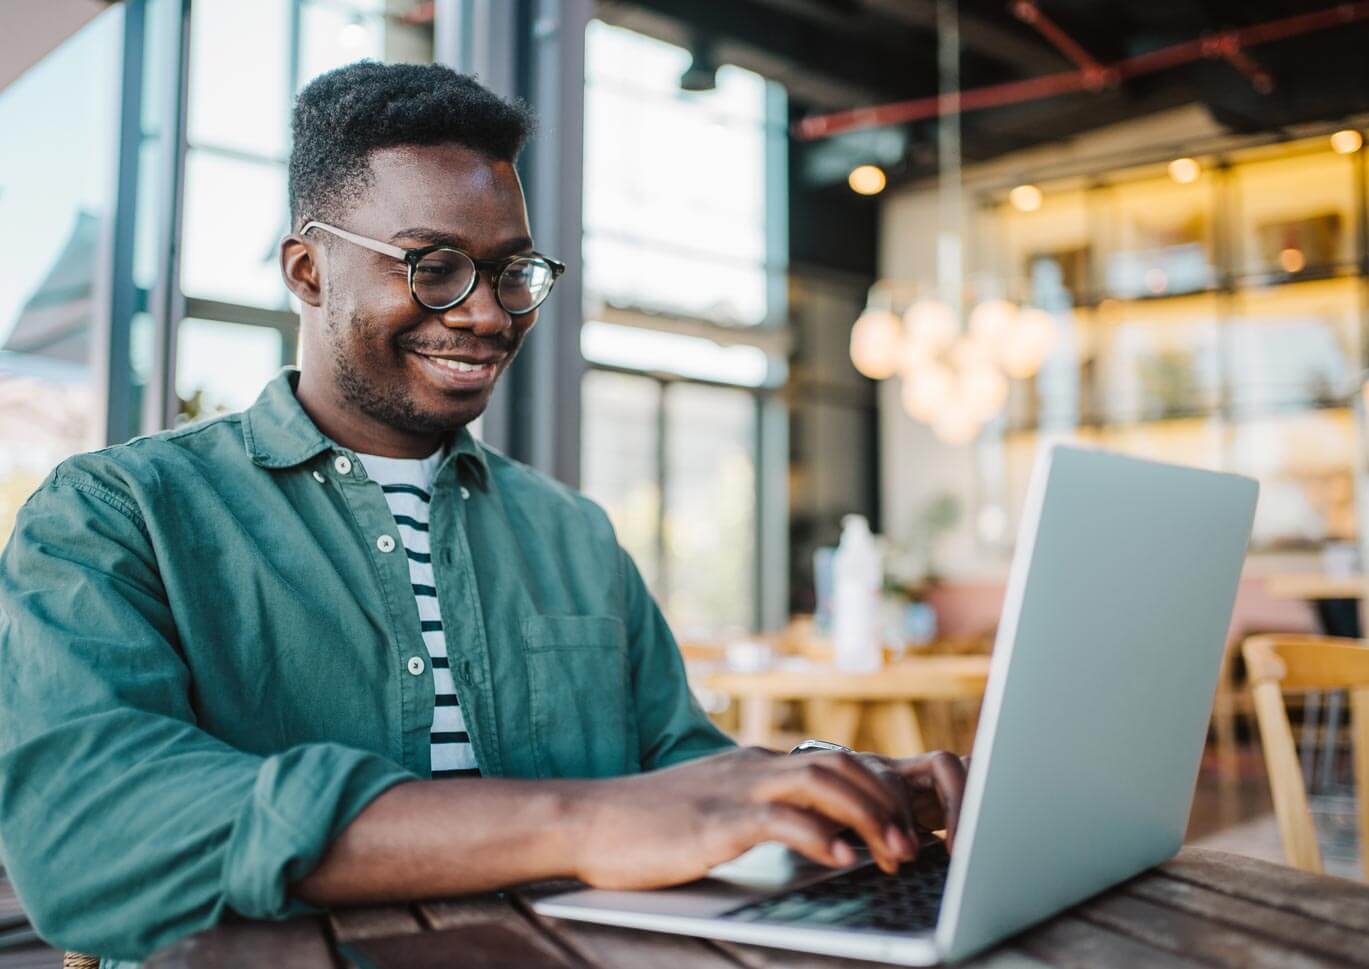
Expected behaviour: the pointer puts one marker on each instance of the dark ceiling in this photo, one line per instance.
(836, 54)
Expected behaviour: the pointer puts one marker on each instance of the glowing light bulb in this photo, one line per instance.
(867, 179)
(930, 325)
(1184, 170)
(1292, 260)
(1025, 198)
(990, 319)
(1027, 344)
(927, 391)
(956, 426)
(876, 344)
(1346, 142)
(984, 391)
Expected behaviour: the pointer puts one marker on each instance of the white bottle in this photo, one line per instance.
(856, 598)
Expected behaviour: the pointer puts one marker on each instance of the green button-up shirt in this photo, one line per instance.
(204, 664)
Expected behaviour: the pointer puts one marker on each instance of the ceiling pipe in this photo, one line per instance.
(1029, 13)
(1228, 45)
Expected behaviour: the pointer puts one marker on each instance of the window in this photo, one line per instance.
(56, 208)
(681, 290)
(675, 183)
(247, 60)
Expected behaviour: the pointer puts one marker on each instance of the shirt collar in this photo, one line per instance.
(279, 434)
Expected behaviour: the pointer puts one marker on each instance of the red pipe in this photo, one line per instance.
(1225, 44)
(1029, 13)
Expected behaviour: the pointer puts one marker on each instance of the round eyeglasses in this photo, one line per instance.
(440, 277)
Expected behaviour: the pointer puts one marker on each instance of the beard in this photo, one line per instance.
(355, 361)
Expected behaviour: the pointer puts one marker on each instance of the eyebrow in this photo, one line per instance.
(437, 237)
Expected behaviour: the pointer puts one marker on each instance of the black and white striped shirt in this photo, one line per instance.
(407, 484)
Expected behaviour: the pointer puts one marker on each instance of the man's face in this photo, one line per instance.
(387, 354)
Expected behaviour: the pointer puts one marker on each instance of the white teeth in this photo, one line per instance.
(460, 365)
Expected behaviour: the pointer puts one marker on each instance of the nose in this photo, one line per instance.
(479, 312)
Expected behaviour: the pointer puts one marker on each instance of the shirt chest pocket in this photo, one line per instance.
(580, 690)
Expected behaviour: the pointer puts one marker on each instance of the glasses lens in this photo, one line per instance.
(442, 277)
(525, 283)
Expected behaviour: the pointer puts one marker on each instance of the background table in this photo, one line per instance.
(841, 705)
(1202, 908)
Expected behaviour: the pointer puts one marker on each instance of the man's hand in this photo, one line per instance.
(672, 826)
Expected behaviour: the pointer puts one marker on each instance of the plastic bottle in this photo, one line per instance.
(856, 598)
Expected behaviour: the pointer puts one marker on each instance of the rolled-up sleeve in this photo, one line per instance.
(672, 727)
(123, 825)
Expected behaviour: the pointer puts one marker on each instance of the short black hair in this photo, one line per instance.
(344, 115)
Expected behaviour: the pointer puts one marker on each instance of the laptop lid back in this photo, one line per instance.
(1102, 679)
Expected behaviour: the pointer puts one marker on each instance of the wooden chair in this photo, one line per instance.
(1276, 663)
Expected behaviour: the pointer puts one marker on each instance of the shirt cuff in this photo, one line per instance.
(302, 800)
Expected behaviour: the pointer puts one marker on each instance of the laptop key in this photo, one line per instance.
(862, 899)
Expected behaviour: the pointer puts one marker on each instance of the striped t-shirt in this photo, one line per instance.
(408, 484)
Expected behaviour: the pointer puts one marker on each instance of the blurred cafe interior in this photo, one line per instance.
(827, 258)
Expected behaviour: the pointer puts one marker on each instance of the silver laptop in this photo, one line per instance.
(1087, 752)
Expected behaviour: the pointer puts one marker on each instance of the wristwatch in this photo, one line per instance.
(811, 745)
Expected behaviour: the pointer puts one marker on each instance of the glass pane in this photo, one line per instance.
(659, 351)
(333, 35)
(235, 216)
(619, 442)
(60, 132)
(626, 273)
(1156, 360)
(1296, 216)
(1302, 461)
(675, 182)
(239, 64)
(222, 366)
(710, 512)
(1160, 237)
(1292, 347)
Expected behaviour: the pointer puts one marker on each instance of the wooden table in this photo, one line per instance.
(840, 705)
(1203, 908)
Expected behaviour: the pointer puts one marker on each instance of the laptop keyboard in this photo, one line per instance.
(863, 899)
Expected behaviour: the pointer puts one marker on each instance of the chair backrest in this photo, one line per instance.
(1290, 663)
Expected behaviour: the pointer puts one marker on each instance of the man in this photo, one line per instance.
(256, 664)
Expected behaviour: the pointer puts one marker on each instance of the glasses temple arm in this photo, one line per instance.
(384, 248)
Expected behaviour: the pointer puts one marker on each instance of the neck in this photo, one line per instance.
(355, 429)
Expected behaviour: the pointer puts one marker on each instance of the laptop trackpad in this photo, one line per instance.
(765, 870)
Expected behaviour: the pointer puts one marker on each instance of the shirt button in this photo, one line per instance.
(318, 476)
(416, 665)
(385, 543)
(465, 492)
(343, 464)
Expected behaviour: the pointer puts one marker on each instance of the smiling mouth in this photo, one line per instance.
(460, 366)
(459, 375)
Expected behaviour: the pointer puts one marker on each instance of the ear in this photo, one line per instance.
(299, 265)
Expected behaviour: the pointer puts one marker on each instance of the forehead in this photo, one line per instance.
(445, 187)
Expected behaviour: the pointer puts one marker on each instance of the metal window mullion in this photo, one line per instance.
(167, 306)
(116, 265)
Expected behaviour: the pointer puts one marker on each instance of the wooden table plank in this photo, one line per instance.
(1288, 928)
(916, 677)
(488, 912)
(1336, 900)
(607, 947)
(489, 945)
(1183, 933)
(350, 924)
(1070, 942)
(294, 944)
